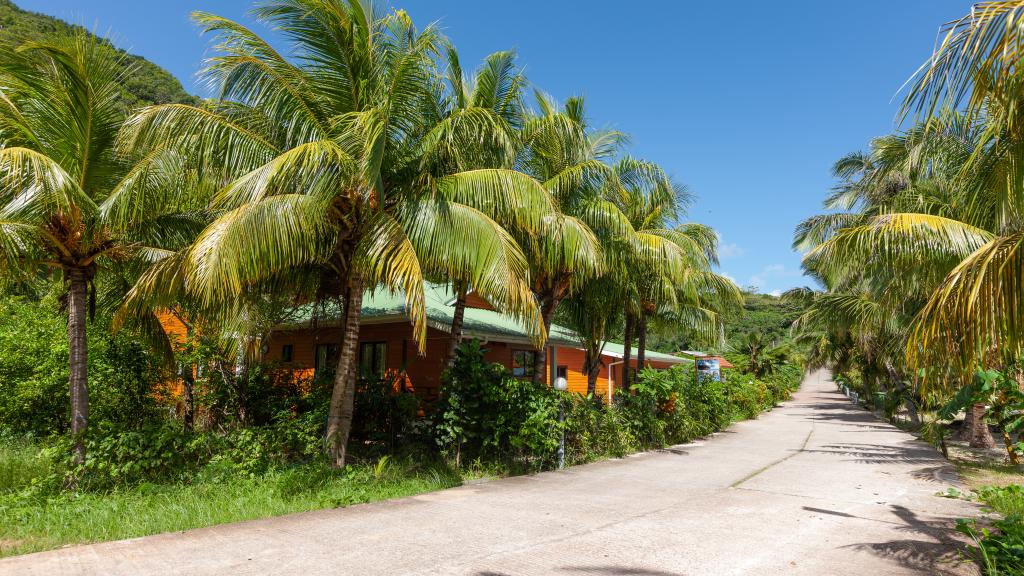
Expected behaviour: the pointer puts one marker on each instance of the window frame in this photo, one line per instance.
(325, 353)
(527, 370)
(378, 359)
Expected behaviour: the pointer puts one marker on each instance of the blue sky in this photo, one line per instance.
(748, 103)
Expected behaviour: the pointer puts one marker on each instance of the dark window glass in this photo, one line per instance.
(326, 360)
(286, 352)
(373, 359)
(562, 372)
(523, 363)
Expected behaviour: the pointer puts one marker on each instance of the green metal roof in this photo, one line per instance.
(617, 350)
(383, 305)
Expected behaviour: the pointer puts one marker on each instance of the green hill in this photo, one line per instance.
(147, 84)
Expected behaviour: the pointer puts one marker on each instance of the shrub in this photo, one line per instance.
(34, 371)
(486, 413)
(1000, 551)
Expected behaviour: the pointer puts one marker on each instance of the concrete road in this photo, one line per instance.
(813, 487)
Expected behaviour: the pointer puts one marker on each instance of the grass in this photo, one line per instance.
(34, 522)
(1000, 487)
(20, 462)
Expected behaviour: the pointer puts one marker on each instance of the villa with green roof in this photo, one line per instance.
(386, 345)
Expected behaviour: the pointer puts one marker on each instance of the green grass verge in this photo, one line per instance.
(32, 523)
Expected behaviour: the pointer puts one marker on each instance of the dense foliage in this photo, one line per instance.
(1000, 548)
(487, 414)
(147, 84)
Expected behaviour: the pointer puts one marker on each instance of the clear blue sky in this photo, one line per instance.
(748, 103)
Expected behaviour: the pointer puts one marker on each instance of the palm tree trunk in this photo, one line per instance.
(339, 418)
(458, 315)
(188, 382)
(627, 351)
(591, 364)
(641, 342)
(979, 434)
(79, 360)
(548, 307)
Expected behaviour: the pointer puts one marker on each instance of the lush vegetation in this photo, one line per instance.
(151, 475)
(366, 160)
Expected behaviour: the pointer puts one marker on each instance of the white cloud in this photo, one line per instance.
(731, 250)
(771, 275)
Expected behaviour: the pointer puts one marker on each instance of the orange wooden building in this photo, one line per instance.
(386, 345)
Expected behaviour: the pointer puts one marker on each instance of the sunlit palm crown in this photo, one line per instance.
(339, 159)
(938, 212)
(65, 191)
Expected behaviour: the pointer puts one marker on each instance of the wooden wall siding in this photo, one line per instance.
(424, 372)
(175, 329)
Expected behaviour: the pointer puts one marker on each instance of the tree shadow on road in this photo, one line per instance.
(943, 555)
(630, 571)
(907, 453)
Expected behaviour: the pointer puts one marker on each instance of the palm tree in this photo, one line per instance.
(593, 312)
(326, 177)
(910, 225)
(974, 315)
(665, 267)
(68, 196)
(476, 130)
(563, 156)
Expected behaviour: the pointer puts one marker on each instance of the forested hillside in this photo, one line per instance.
(147, 84)
(769, 315)
(763, 314)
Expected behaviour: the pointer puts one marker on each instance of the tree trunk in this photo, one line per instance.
(641, 342)
(627, 351)
(339, 418)
(590, 362)
(1011, 450)
(979, 434)
(548, 307)
(188, 382)
(79, 359)
(458, 315)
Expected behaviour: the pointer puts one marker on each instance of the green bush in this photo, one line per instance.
(1000, 549)
(485, 413)
(34, 371)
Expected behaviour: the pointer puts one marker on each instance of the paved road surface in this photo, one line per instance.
(814, 487)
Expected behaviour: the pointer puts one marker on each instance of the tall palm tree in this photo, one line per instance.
(476, 130)
(65, 190)
(975, 315)
(911, 219)
(564, 156)
(323, 159)
(665, 267)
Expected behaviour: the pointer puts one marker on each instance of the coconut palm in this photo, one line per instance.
(975, 314)
(66, 191)
(665, 267)
(323, 156)
(476, 130)
(564, 156)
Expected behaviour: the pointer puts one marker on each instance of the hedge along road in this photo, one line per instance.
(816, 486)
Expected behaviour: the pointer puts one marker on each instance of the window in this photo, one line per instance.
(372, 359)
(286, 352)
(562, 372)
(326, 360)
(523, 363)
